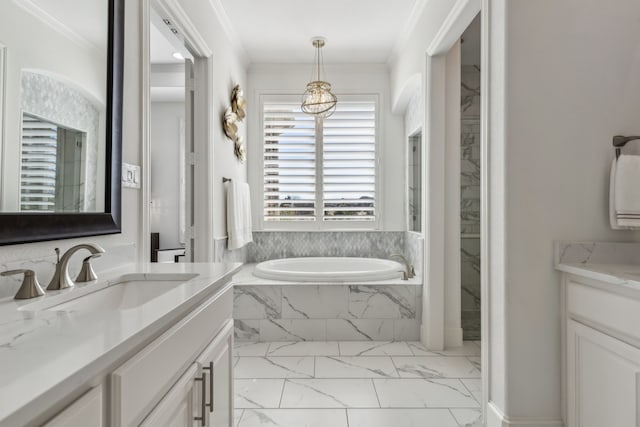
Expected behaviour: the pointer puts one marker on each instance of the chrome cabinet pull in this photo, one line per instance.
(203, 405)
(210, 369)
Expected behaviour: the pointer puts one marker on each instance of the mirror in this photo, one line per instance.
(61, 89)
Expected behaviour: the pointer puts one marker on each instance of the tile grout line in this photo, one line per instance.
(375, 390)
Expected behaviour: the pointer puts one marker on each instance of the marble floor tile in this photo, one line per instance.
(250, 348)
(304, 348)
(294, 418)
(355, 367)
(329, 393)
(468, 417)
(475, 387)
(435, 367)
(258, 393)
(400, 418)
(274, 367)
(423, 393)
(477, 362)
(237, 414)
(469, 348)
(374, 348)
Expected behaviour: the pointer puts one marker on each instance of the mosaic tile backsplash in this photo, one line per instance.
(268, 245)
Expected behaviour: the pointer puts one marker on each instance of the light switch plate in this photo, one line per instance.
(130, 175)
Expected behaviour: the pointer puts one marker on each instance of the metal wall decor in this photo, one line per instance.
(232, 116)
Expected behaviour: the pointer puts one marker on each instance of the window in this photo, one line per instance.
(320, 171)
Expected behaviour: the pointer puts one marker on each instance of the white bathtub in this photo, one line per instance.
(329, 269)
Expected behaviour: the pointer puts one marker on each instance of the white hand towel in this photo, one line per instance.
(612, 198)
(238, 215)
(627, 191)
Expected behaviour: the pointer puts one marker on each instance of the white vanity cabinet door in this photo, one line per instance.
(84, 412)
(603, 379)
(180, 406)
(216, 362)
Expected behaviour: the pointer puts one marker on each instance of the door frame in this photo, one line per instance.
(203, 129)
(433, 329)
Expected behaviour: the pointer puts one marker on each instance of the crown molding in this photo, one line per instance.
(414, 16)
(230, 30)
(44, 16)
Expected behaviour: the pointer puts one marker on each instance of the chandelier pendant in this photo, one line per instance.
(318, 100)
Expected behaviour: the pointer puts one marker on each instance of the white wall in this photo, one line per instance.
(566, 81)
(130, 153)
(164, 143)
(572, 82)
(345, 79)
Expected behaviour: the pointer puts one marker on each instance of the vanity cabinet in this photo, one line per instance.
(86, 411)
(601, 354)
(187, 370)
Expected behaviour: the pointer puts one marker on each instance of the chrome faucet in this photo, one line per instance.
(409, 270)
(61, 279)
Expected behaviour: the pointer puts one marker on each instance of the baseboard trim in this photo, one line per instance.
(495, 418)
(452, 337)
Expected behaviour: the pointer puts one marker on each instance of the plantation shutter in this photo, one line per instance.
(38, 168)
(349, 162)
(289, 163)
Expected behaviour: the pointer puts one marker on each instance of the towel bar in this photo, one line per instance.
(620, 141)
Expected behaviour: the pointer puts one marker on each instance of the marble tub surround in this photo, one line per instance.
(267, 310)
(45, 355)
(44, 264)
(347, 384)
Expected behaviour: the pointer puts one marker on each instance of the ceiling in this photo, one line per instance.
(357, 31)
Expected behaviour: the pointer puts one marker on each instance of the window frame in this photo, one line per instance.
(256, 176)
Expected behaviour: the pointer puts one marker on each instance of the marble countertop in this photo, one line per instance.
(619, 276)
(45, 355)
(245, 277)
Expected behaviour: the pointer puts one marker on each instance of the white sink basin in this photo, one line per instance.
(129, 292)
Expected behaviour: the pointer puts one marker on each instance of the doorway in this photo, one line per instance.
(170, 139)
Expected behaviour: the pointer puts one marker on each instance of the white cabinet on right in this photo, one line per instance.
(601, 334)
(603, 378)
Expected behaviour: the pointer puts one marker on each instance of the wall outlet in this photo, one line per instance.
(130, 175)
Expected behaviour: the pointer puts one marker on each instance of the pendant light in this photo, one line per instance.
(318, 99)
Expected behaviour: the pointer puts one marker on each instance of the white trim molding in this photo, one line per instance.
(495, 418)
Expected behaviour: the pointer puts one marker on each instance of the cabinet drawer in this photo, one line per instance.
(613, 313)
(84, 412)
(142, 381)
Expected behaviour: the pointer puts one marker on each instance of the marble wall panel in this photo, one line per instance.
(382, 302)
(327, 312)
(315, 302)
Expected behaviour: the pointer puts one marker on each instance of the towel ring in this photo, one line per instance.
(620, 141)
(224, 179)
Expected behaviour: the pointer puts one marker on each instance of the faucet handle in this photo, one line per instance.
(87, 274)
(30, 287)
(404, 275)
